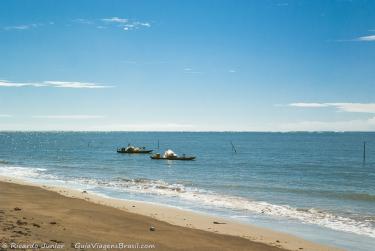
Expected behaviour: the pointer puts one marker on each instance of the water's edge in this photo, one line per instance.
(184, 217)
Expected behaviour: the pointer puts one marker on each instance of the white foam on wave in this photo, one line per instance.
(212, 199)
(207, 198)
(25, 172)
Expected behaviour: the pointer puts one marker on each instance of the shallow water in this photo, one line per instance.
(313, 185)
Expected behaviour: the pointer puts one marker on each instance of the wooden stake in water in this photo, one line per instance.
(158, 145)
(233, 148)
(364, 151)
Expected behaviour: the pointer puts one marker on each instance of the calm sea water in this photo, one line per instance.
(314, 185)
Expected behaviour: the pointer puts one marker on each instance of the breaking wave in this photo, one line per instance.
(364, 225)
(24, 172)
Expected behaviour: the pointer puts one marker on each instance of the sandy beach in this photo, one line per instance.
(187, 125)
(71, 220)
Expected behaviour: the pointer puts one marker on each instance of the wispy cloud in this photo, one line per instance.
(124, 23)
(282, 4)
(17, 27)
(345, 125)
(144, 127)
(191, 71)
(89, 125)
(75, 117)
(26, 26)
(83, 21)
(103, 23)
(115, 20)
(64, 84)
(369, 38)
(5, 116)
(345, 107)
(55, 84)
(309, 105)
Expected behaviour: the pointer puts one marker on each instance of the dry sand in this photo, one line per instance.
(63, 218)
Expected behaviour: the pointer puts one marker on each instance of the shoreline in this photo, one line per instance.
(185, 218)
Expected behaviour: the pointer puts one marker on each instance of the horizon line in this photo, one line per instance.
(187, 131)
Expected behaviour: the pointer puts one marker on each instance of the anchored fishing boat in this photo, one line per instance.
(170, 155)
(133, 149)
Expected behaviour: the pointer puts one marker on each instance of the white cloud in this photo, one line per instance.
(5, 116)
(348, 125)
(83, 126)
(232, 71)
(343, 125)
(115, 20)
(64, 84)
(67, 117)
(144, 127)
(55, 84)
(308, 105)
(366, 38)
(4, 83)
(26, 26)
(355, 107)
(83, 21)
(191, 71)
(282, 4)
(345, 107)
(146, 24)
(17, 27)
(125, 24)
(134, 26)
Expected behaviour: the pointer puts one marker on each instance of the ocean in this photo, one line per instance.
(312, 185)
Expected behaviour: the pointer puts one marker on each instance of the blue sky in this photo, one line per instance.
(187, 65)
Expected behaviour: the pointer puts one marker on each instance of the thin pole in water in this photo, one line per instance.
(364, 151)
(233, 148)
(158, 144)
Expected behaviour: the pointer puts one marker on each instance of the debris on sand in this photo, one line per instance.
(216, 222)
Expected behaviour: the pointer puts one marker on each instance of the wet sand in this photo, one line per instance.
(74, 220)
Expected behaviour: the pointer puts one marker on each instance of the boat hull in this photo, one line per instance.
(173, 158)
(135, 152)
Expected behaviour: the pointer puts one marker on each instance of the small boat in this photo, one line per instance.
(170, 155)
(133, 149)
(173, 158)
